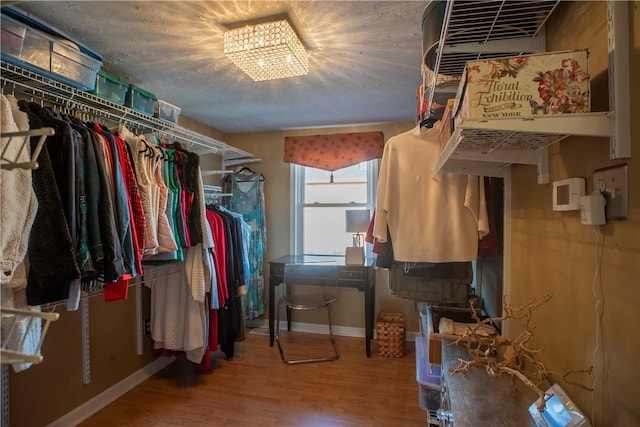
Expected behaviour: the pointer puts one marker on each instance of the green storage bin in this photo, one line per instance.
(141, 100)
(111, 88)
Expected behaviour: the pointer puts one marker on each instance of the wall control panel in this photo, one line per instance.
(566, 194)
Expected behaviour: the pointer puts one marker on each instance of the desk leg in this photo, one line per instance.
(272, 313)
(369, 313)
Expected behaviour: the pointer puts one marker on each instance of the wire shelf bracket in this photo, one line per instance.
(23, 138)
(12, 347)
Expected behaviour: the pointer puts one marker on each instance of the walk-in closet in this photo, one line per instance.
(320, 213)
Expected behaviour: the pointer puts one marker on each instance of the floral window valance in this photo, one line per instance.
(335, 151)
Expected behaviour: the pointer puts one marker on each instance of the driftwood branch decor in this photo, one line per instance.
(497, 355)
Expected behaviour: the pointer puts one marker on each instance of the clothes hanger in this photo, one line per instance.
(148, 149)
(243, 170)
(428, 122)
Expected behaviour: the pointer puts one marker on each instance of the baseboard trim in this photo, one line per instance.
(315, 328)
(93, 405)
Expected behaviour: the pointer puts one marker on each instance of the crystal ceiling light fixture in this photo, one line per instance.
(267, 51)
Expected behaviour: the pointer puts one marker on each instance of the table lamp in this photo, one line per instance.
(357, 223)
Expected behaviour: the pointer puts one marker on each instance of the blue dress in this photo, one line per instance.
(247, 199)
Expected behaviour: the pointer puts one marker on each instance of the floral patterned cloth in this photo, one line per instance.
(247, 188)
(333, 152)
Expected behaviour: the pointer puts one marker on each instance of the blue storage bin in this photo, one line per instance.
(12, 37)
(111, 88)
(141, 100)
(47, 53)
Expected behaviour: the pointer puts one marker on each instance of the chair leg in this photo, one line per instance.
(277, 334)
(333, 341)
(310, 360)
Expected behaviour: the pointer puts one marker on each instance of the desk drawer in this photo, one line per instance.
(349, 274)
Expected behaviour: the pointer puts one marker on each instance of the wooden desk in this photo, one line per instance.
(361, 277)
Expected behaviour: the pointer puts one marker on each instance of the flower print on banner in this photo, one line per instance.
(498, 68)
(334, 151)
(561, 89)
(539, 84)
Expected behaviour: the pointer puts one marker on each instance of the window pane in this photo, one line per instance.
(336, 193)
(349, 174)
(321, 229)
(349, 185)
(324, 231)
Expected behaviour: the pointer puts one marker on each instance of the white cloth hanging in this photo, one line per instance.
(430, 219)
(15, 190)
(178, 321)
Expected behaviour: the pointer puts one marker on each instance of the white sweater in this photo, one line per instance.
(18, 204)
(437, 219)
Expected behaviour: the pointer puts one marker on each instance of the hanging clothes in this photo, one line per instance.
(247, 199)
(15, 225)
(108, 256)
(430, 219)
(231, 326)
(51, 252)
(140, 153)
(178, 321)
(15, 189)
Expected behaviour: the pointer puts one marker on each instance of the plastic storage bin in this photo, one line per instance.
(12, 37)
(166, 111)
(48, 54)
(141, 100)
(111, 88)
(428, 377)
(430, 316)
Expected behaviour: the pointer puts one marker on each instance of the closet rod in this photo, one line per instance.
(51, 306)
(240, 161)
(217, 172)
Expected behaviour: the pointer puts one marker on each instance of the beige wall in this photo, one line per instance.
(269, 146)
(46, 392)
(553, 253)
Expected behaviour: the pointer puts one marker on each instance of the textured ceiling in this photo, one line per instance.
(364, 58)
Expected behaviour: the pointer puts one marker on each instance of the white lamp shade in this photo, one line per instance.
(357, 220)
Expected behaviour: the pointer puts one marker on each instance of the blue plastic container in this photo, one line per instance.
(141, 100)
(32, 45)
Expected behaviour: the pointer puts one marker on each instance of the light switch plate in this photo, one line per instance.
(612, 182)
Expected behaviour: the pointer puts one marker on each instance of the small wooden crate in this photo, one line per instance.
(390, 334)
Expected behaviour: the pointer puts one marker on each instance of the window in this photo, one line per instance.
(319, 205)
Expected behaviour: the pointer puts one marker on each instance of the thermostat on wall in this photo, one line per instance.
(566, 194)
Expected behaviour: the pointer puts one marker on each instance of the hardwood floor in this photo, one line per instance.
(257, 389)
